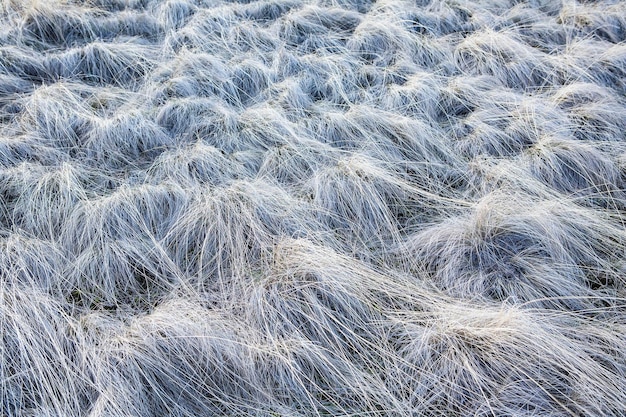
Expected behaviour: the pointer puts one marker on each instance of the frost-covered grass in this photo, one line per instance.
(312, 208)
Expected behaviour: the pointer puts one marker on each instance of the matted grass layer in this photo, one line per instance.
(312, 208)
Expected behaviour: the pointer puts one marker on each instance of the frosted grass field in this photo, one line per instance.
(312, 208)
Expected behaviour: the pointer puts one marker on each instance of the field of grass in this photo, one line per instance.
(312, 208)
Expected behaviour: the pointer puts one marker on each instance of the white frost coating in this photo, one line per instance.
(312, 208)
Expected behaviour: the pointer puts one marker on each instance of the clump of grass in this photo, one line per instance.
(547, 36)
(576, 169)
(47, 200)
(11, 86)
(362, 202)
(328, 82)
(103, 63)
(194, 165)
(459, 360)
(326, 352)
(508, 125)
(590, 60)
(57, 114)
(462, 95)
(291, 99)
(417, 96)
(176, 13)
(266, 11)
(249, 79)
(613, 64)
(126, 211)
(606, 22)
(291, 164)
(131, 273)
(248, 37)
(199, 74)
(304, 25)
(205, 31)
(439, 19)
(31, 263)
(128, 139)
(27, 66)
(224, 231)
(39, 370)
(47, 26)
(504, 57)
(382, 42)
(148, 364)
(127, 24)
(259, 128)
(189, 117)
(116, 242)
(113, 5)
(17, 150)
(595, 115)
(523, 252)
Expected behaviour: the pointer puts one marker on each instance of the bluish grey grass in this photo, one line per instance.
(312, 208)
